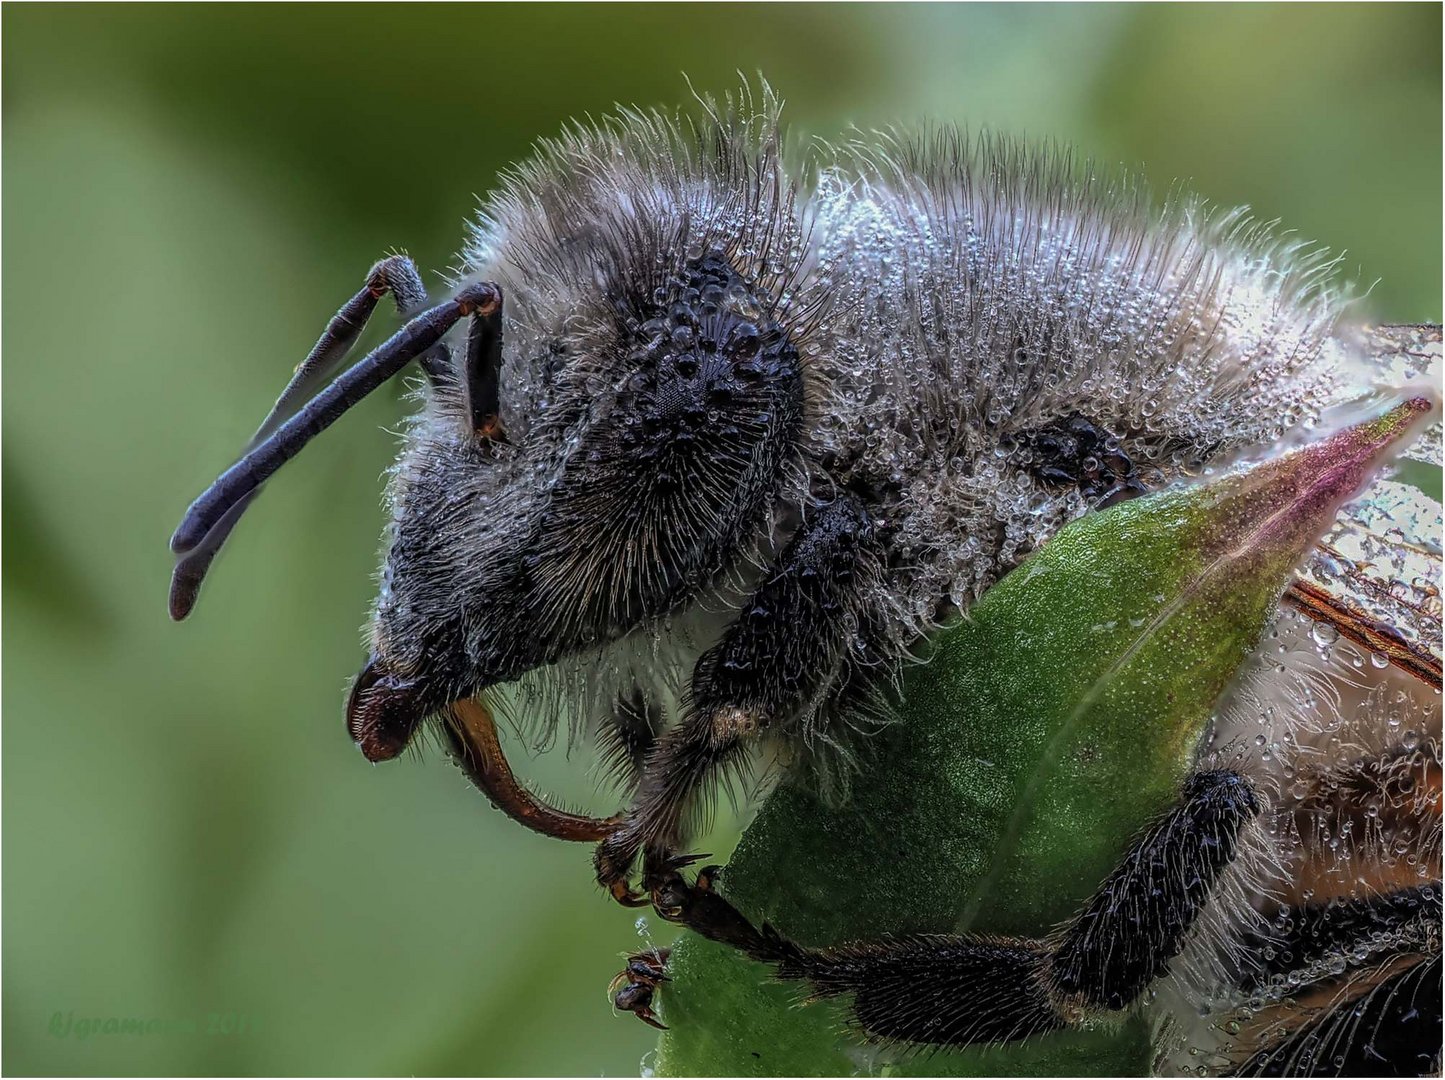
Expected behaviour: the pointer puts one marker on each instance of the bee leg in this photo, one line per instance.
(703, 910)
(636, 998)
(472, 733)
(778, 655)
(1361, 929)
(632, 989)
(684, 760)
(961, 990)
(1137, 922)
(627, 735)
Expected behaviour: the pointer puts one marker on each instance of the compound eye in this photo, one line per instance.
(482, 371)
(663, 491)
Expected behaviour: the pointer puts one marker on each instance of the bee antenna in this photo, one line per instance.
(215, 512)
(190, 569)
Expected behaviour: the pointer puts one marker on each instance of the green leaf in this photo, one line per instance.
(1050, 725)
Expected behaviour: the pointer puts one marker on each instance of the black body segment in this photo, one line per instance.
(1137, 921)
(665, 480)
(1392, 1030)
(1408, 917)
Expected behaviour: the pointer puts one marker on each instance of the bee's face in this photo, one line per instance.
(651, 395)
(641, 456)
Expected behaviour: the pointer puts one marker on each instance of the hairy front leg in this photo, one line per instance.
(783, 650)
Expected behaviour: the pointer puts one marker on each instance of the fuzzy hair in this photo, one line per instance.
(946, 293)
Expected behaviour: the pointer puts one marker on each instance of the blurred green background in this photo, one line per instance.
(188, 195)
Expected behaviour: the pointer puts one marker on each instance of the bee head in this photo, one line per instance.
(606, 442)
(649, 399)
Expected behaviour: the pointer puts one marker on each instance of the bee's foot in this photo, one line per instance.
(632, 989)
(698, 905)
(613, 862)
(671, 894)
(622, 892)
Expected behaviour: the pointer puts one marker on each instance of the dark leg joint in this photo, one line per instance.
(700, 908)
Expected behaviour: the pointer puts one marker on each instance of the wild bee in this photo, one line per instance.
(731, 429)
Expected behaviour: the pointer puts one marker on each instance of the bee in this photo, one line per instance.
(714, 431)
